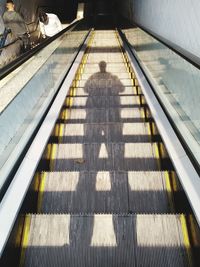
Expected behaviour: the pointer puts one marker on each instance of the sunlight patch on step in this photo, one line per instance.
(157, 231)
(103, 182)
(145, 181)
(51, 230)
(134, 129)
(103, 153)
(77, 114)
(74, 130)
(62, 182)
(103, 232)
(138, 150)
(129, 113)
(70, 151)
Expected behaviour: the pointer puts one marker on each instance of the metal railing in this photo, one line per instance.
(27, 55)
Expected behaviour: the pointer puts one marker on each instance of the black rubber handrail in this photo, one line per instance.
(186, 55)
(27, 55)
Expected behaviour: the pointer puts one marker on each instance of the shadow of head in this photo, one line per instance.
(102, 66)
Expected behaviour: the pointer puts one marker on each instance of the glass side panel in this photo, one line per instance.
(175, 81)
(27, 92)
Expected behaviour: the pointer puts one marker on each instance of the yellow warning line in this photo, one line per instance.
(174, 182)
(186, 238)
(169, 190)
(193, 231)
(61, 132)
(36, 182)
(41, 190)
(53, 156)
(48, 152)
(158, 156)
(25, 239)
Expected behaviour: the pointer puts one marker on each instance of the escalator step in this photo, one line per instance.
(103, 192)
(105, 132)
(103, 115)
(105, 156)
(105, 102)
(127, 90)
(120, 75)
(106, 240)
(110, 81)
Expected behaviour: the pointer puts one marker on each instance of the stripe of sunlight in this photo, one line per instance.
(74, 130)
(163, 230)
(62, 182)
(103, 182)
(145, 181)
(134, 129)
(138, 150)
(103, 153)
(103, 232)
(70, 151)
(50, 226)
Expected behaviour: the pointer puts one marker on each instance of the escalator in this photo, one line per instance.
(105, 192)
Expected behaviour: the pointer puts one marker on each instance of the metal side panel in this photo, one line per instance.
(13, 199)
(186, 172)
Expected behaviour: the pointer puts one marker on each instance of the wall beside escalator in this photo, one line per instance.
(177, 21)
(65, 9)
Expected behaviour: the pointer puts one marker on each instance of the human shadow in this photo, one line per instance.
(99, 190)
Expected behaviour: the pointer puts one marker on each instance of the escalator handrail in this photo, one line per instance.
(183, 53)
(187, 149)
(184, 163)
(27, 55)
(13, 199)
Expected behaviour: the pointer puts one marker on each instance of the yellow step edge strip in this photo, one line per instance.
(53, 156)
(193, 231)
(48, 152)
(169, 190)
(25, 239)
(43, 177)
(61, 132)
(157, 154)
(174, 180)
(186, 239)
(36, 182)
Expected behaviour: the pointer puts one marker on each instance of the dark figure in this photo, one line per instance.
(103, 90)
(100, 131)
(14, 21)
(103, 110)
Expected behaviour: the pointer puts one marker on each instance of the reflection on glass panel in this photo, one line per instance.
(175, 81)
(26, 93)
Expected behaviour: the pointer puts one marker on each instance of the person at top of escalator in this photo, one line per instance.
(49, 24)
(14, 21)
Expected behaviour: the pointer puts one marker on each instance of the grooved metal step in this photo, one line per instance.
(105, 240)
(103, 115)
(104, 156)
(128, 91)
(105, 102)
(120, 75)
(101, 81)
(104, 192)
(105, 132)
